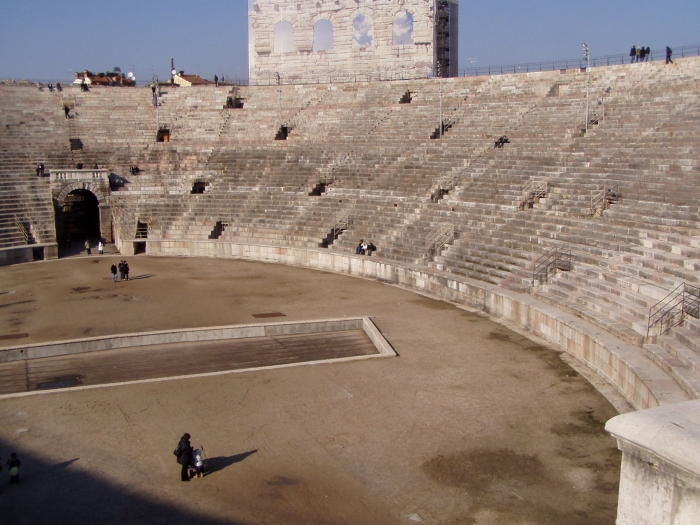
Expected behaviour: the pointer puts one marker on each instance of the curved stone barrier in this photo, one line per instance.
(635, 376)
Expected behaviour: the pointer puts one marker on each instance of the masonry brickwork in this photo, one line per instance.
(349, 59)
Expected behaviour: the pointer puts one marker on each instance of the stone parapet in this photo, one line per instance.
(60, 175)
(660, 477)
(622, 365)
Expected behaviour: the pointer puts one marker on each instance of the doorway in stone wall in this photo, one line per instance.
(81, 218)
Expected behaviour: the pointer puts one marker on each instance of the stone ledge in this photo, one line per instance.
(670, 434)
(214, 333)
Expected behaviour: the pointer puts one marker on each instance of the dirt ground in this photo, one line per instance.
(471, 424)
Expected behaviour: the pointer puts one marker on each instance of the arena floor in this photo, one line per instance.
(471, 424)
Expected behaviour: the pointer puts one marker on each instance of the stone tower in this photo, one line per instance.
(306, 41)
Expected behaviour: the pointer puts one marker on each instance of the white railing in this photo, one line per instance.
(79, 174)
(447, 182)
(338, 222)
(437, 238)
(602, 197)
(534, 189)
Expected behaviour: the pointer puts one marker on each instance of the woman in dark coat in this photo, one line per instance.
(184, 455)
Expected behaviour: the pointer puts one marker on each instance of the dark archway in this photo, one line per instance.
(81, 216)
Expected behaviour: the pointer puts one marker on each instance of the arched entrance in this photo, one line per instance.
(81, 216)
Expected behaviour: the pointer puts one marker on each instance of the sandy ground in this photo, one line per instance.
(471, 424)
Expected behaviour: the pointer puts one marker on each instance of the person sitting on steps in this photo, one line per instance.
(501, 140)
(371, 248)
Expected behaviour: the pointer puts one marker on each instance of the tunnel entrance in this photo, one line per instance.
(81, 216)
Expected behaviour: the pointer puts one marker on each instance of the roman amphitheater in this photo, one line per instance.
(520, 297)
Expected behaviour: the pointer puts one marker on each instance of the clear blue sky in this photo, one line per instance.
(41, 39)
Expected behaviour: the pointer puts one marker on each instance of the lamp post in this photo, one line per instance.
(587, 54)
(279, 83)
(440, 81)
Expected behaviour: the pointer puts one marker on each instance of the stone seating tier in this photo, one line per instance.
(379, 163)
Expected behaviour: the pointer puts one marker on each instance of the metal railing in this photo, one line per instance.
(338, 222)
(553, 259)
(673, 309)
(602, 198)
(447, 182)
(576, 63)
(553, 65)
(534, 189)
(437, 238)
(22, 229)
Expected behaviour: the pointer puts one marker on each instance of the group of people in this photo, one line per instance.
(134, 170)
(13, 464)
(59, 87)
(643, 54)
(639, 54)
(191, 461)
(88, 247)
(364, 248)
(501, 140)
(123, 268)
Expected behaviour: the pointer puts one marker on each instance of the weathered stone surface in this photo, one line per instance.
(349, 59)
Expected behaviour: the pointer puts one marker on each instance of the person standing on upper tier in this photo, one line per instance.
(633, 54)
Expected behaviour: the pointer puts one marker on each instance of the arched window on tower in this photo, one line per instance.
(283, 37)
(323, 35)
(403, 28)
(362, 31)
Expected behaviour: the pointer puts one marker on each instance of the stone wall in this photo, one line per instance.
(660, 475)
(620, 364)
(349, 59)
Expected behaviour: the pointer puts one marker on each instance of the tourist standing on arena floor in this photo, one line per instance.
(184, 456)
(13, 464)
(126, 270)
(87, 247)
(121, 270)
(100, 247)
(113, 269)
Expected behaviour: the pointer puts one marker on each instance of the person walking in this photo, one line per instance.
(633, 54)
(113, 269)
(13, 464)
(100, 248)
(126, 270)
(669, 52)
(87, 247)
(184, 455)
(121, 270)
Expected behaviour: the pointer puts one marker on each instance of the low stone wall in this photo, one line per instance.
(23, 254)
(620, 364)
(660, 475)
(190, 335)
